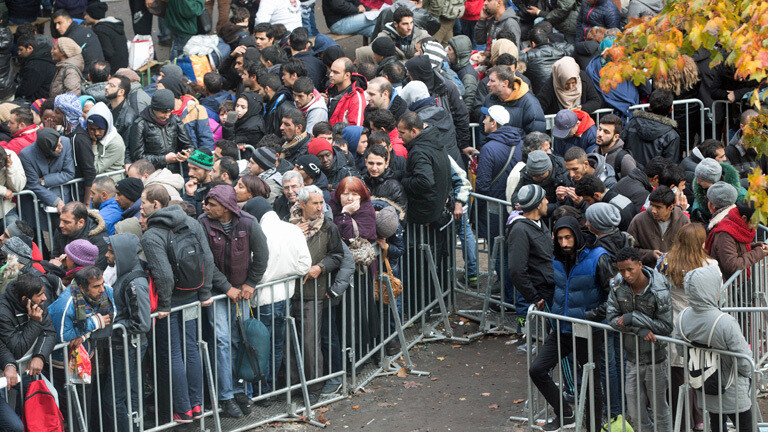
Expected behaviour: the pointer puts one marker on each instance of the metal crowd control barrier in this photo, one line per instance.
(594, 362)
(726, 106)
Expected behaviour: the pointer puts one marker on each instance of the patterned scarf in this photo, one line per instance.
(308, 227)
(69, 105)
(82, 303)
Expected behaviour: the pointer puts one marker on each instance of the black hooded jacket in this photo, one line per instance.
(94, 230)
(152, 141)
(111, 34)
(635, 186)
(386, 186)
(249, 129)
(7, 84)
(427, 180)
(19, 334)
(558, 177)
(36, 72)
(340, 169)
(530, 247)
(88, 41)
(275, 108)
(447, 95)
(439, 117)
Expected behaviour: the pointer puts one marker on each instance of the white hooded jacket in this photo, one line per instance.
(109, 152)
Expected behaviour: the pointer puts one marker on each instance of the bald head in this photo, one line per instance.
(379, 93)
(341, 73)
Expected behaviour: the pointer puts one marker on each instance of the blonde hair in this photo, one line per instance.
(687, 252)
(679, 80)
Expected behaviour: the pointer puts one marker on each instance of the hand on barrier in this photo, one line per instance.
(8, 192)
(60, 206)
(314, 272)
(161, 315)
(10, 374)
(540, 304)
(458, 211)
(206, 303)
(35, 366)
(74, 343)
(234, 294)
(246, 292)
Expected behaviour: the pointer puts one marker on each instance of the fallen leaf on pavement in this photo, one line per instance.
(355, 406)
(455, 346)
(384, 404)
(411, 384)
(493, 406)
(441, 358)
(517, 401)
(486, 394)
(433, 378)
(462, 399)
(402, 372)
(321, 419)
(322, 410)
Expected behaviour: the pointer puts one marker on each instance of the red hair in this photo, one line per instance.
(352, 184)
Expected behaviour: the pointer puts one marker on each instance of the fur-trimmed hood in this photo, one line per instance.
(381, 202)
(655, 117)
(100, 227)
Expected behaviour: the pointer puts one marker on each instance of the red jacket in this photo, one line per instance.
(349, 105)
(21, 139)
(472, 10)
(397, 144)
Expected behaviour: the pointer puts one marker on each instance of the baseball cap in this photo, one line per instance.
(498, 113)
(565, 120)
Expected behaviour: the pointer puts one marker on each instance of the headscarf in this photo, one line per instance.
(84, 100)
(420, 69)
(69, 104)
(563, 70)
(352, 135)
(503, 46)
(255, 106)
(47, 140)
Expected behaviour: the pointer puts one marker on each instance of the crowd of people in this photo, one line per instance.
(293, 160)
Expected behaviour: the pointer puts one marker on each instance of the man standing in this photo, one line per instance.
(111, 34)
(293, 130)
(82, 35)
(403, 32)
(333, 162)
(579, 163)
(240, 252)
(200, 166)
(225, 170)
(48, 164)
(381, 95)
(37, 67)
(12, 179)
(653, 133)
(104, 201)
(640, 306)
(164, 221)
(427, 179)
(309, 101)
(458, 50)
(145, 171)
(494, 18)
(299, 41)
(128, 196)
(108, 145)
(77, 222)
(509, 91)
(743, 158)
(327, 251)
(118, 88)
(264, 163)
(592, 190)
(23, 130)
(131, 291)
(277, 100)
(610, 145)
(530, 243)
(655, 229)
(582, 274)
(500, 153)
(573, 128)
(158, 135)
(293, 181)
(547, 171)
(347, 93)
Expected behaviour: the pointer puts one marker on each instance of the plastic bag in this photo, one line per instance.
(140, 51)
(79, 365)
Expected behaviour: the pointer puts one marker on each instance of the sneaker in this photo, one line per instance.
(230, 409)
(244, 402)
(332, 386)
(197, 412)
(472, 282)
(557, 424)
(183, 417)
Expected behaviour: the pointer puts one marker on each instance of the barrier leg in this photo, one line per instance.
(308, 413)
(203, 347)
(433, 333)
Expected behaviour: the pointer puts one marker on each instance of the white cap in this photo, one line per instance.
(498, 113)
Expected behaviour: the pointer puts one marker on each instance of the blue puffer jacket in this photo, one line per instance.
(578, 289)
(493, 157)
(524, 113)
(603, 13)
(620, 98)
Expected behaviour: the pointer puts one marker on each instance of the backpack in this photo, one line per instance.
(452, 9)
(704, 365)
(253, 357)
(620, 155)
(40, 410)
(186, 258)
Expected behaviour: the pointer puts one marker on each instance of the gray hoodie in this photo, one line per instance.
(155, 245)
(109, 152)
(490, 28)
(131, 288)
(704, 288)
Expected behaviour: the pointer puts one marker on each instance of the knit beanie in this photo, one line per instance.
(387, 222)
(530, 196)
(603, 217)
(201, 160)
(163, 100)
(37, 104)
(128, 73)
(130, 188)
(96, 10)
(264, 157)
(709, 170)
(98, 121)
(435, 52)
(722, 194)
(82, 252)
(538, 162)
(172, 70)
(383, 46)
(16, 246)
(68, 47)
(317, 145)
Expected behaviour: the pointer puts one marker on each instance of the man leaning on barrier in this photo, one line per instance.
(639, 304)
(582, 276)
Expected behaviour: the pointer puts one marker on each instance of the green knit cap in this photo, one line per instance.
(202, 160)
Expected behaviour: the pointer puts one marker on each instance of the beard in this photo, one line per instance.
(110, 96)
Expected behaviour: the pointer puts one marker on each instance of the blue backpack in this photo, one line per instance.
(253, 359)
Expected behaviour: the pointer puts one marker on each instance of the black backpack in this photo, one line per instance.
(617, 163)
(186, 258)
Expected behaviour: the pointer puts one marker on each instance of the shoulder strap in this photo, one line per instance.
(501, 173)
(680, 327)
(712, 331)
(617, 163)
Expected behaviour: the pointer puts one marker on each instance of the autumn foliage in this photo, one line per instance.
(735, 32)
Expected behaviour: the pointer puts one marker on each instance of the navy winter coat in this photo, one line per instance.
(524, 113)
(493, 157)
(603, 13)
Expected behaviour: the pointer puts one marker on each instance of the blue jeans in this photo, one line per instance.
(218, 346)
(182, 362)
(273, 316)
(468, 246)
(124, 418)
(10, 218)
(9, 421)
(355, 24)
(308, 19)
(177, 47)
